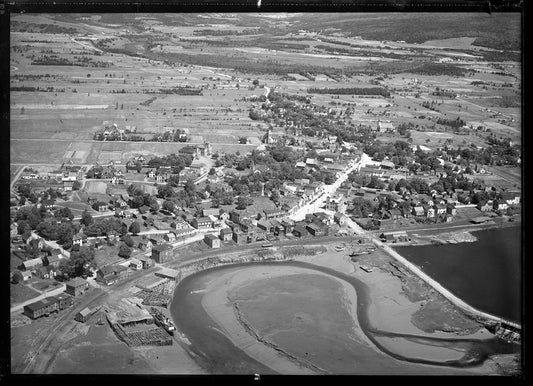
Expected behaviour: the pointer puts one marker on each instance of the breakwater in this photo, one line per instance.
(485, 274)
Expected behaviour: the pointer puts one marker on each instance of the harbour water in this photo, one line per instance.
(487, 274)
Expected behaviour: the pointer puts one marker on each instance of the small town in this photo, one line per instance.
(106, 226)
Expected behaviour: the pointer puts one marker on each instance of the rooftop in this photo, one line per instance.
(167, 272)
(76, 282)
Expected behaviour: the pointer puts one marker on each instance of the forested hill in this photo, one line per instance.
(500, 31)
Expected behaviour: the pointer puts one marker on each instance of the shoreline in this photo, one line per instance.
(382, 313)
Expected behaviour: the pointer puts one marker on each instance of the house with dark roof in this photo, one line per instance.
(47, 272)
(52, 260)
(239, 236)
(418, 210)
(511, 198)
(41, 308)
(31, 264)
(300, 231)
(440, 209)
(317, 229)
(212, 240)
(485, 206)
(500, 205)
(145, 245)
(79, 239)
(110, 274)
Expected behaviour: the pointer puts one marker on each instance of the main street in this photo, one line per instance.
(313, 205)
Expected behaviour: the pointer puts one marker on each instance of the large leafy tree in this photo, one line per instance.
(135, 227)
(80, 262)
(124, 251)
(165, 191)
(86, 218)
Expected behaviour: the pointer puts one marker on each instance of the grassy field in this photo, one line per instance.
(20, 293)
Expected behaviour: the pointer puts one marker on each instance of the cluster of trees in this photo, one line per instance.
(176, 162)
(53, 226)
(182, 198)
(351, 91)
(432, 68)
(139, 198)
(102, 226)
(315, 121)
(80, 263)
(54, 60)
(444, 93)
(181, 91)
(453, 123)
(169, 136)
(34, 89)
(397, 152)
(404, 129)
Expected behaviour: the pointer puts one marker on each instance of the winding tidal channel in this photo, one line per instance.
(301, 312)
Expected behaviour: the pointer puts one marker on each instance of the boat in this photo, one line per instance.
(162, 321)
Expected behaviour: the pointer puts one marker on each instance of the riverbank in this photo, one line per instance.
(398, 305)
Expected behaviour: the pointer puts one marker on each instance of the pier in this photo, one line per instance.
(493, 322)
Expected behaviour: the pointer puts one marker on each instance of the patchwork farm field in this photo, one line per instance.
(66, 85)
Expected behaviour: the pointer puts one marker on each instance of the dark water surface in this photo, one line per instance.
(486, 274)
(218, 355)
